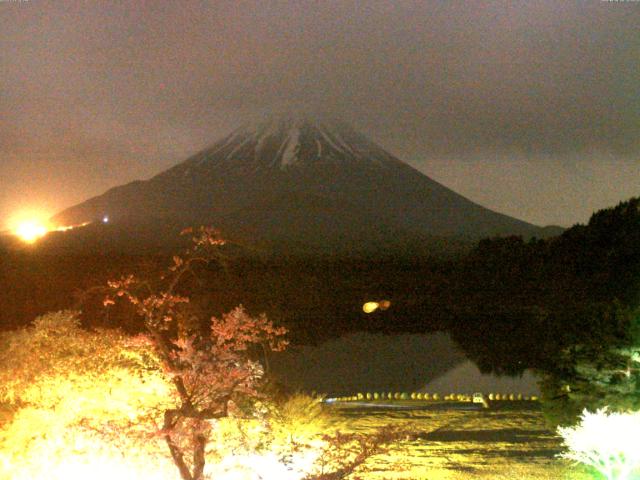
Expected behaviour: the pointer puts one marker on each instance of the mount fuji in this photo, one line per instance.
(298, 182)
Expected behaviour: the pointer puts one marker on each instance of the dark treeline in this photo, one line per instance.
(527, 301)
(511, 304)
(316, 298)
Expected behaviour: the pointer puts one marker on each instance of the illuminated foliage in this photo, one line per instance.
(606, 441)
(90, 404)
(298, 439)
(80, 402)
(213, 373)
(98, 404)
(281, 440)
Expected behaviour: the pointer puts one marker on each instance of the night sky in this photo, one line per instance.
(529, 108)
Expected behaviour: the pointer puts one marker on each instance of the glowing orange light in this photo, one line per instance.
(384, 304)
(370, 307)
(70, 227)
(32, 227)
(31, 230)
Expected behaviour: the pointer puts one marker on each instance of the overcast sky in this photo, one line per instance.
(529, 108)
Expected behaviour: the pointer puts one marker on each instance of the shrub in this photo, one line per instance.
(80, 400)
(284, 437)
(606, 441)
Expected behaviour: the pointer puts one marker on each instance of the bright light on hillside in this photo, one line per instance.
(30, 230)
(31, 226)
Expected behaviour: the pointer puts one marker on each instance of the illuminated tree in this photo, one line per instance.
(211, 373)
(606, 441)
(80, 403)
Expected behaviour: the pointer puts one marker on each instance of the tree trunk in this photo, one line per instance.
(199, 444)
(178, 459)
(175, 450)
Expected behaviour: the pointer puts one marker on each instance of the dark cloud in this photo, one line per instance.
(100, 93)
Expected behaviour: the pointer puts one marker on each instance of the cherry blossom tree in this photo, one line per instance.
(211, 373)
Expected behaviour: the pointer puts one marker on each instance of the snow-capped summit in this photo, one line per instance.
(282, 141)
(299, 182)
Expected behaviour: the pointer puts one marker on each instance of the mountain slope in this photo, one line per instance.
(302, 182)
